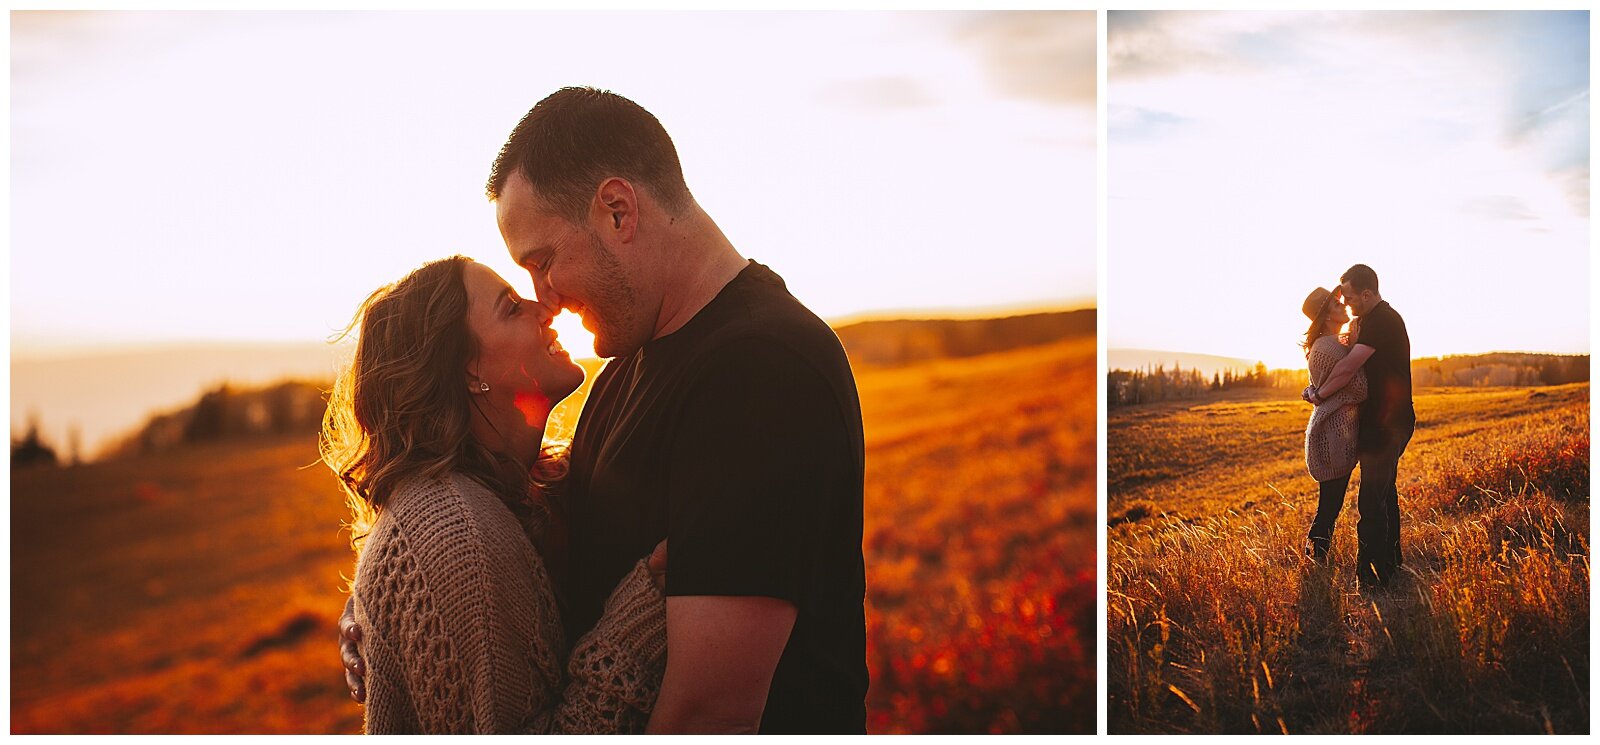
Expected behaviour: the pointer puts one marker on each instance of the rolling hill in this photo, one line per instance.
(107, 396)
(196, 590)
(1207, 364)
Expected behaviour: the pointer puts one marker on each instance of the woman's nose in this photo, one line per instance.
(541, 314)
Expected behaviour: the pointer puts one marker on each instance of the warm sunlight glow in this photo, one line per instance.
(576, 339)
(202, 186)
(535, 407)
(1254, 157)
(882, 174)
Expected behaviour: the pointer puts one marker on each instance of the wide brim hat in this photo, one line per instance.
(1316, 304)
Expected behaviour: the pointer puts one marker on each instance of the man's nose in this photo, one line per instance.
(549, 299)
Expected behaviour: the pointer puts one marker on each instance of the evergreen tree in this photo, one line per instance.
(31, 450)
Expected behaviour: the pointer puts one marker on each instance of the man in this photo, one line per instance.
(1387, 420)
(726, 421)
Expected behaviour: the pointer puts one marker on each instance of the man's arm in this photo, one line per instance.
(721, 655)
(753, 488)
(1344, 371)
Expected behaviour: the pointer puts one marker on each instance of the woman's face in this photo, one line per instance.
(518, 354)
(1338, 314)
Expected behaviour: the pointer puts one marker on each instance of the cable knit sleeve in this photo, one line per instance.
(1325, 354)
(1352, 393)
(615, 670)
(461, 629)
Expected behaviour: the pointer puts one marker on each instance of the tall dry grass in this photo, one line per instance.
(1217, 624)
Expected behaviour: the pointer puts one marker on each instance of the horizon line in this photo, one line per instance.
(48, 351)
(1249, 364)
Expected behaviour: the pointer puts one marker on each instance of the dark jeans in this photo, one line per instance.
(1378, 531)
(1330, 500)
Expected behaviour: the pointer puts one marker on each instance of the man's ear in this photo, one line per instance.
(615, 210)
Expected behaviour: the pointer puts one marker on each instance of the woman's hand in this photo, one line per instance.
(657, 564)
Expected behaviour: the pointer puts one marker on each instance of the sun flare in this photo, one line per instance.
(576, 339)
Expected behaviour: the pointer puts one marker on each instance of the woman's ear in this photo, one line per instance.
(476, 384)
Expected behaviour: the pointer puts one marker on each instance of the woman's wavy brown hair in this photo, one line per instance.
(401, 409)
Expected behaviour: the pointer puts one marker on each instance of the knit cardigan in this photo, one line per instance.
(1331, 431)
(461, 632)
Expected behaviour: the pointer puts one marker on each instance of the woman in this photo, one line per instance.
(1331, 431)
(435, 432)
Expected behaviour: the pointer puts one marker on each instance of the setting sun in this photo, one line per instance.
(576, 339)
(870, 178)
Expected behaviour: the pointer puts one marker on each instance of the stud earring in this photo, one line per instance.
(483, 388)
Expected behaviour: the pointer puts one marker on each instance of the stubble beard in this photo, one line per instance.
(617, 328)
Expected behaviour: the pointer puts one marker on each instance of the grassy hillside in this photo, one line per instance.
(197, 590)
(1216, 623)
(980, 542)
(900, 341)
(192, 592)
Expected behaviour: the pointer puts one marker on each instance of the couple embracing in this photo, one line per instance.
(691, 562)
(1361, 390)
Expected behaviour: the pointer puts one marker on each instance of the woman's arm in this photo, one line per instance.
(456, 590)
(1343, 372)
(450, 635)
(387, 707)
(614, 673)
(1351, 394)
(468, 607)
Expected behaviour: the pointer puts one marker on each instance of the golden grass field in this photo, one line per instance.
(1216, 624)
(197, 591)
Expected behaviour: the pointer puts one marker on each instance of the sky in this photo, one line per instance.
(1255, 156)
(248, 176)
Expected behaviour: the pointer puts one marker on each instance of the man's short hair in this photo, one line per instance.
(577, 137)
(1361, 277)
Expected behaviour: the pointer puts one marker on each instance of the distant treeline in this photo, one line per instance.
(1149, 385)
(227, 412)
(1125, 387)
(1500, 369)
(901, 341)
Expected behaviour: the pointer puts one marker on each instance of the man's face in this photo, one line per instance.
(1358, 302)
(572, 269)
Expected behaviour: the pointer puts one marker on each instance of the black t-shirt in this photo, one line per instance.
(1388, 371)
(738, 437)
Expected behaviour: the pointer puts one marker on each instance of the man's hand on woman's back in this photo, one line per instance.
(350, 653)
(657, 563)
